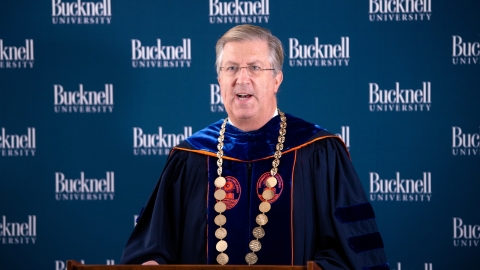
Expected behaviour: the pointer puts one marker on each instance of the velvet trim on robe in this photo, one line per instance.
(319, 182)
(253, 145)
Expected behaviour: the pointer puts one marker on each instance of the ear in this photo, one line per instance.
(278, 80)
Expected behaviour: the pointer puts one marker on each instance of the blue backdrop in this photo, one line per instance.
(93, 95)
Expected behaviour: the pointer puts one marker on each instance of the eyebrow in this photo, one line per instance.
(255, 62)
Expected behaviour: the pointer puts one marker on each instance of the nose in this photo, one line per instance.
(242, 76)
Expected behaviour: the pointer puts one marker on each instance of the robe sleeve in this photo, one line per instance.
(343, 233)
(172, 226)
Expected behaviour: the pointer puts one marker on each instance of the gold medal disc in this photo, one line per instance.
(221, 233)
(220, 194)
(271, 182)
(222, 258)
(258, 232)
(261, 219)
(220, 220)
(220, 182)
(220, 207)
(221, 246)
(255, 245)
(268, 194)
(264, 207)
(251, 258)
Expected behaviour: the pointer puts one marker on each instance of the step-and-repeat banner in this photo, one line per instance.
(94, 94)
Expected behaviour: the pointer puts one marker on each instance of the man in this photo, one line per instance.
(261, 187)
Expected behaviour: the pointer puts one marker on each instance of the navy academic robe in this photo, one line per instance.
(320, 211)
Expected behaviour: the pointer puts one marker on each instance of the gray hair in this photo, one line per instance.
(248, 32)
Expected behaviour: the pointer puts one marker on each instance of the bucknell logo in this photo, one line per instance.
(17, 57)
(82, 101)
(399, 189)
(15, 145)
(158, 56)
(216, 101)
(239, 11)
(345, 136)
(262, 186)
(465, 235)
(317, 54)
(14, 233)
(84, 189)
(233, 192)
(157, 144)
(400, 100)
(465, 53)
(465, 144)
(395, 10)
(81, 12)
(426, 266)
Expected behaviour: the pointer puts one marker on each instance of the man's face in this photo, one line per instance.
(250, 101)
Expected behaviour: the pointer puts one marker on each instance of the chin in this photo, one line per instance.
(243, 117)
(244, 114)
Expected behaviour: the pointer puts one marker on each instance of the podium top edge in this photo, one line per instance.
(74, 265)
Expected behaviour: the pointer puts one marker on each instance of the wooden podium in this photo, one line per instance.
(74, 265)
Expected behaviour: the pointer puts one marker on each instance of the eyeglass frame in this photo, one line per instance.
(239, 68)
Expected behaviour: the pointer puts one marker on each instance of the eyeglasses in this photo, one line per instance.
(252, 71)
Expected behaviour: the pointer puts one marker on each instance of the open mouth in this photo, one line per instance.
(243, 96)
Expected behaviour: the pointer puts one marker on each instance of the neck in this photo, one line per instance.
(251, 125)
